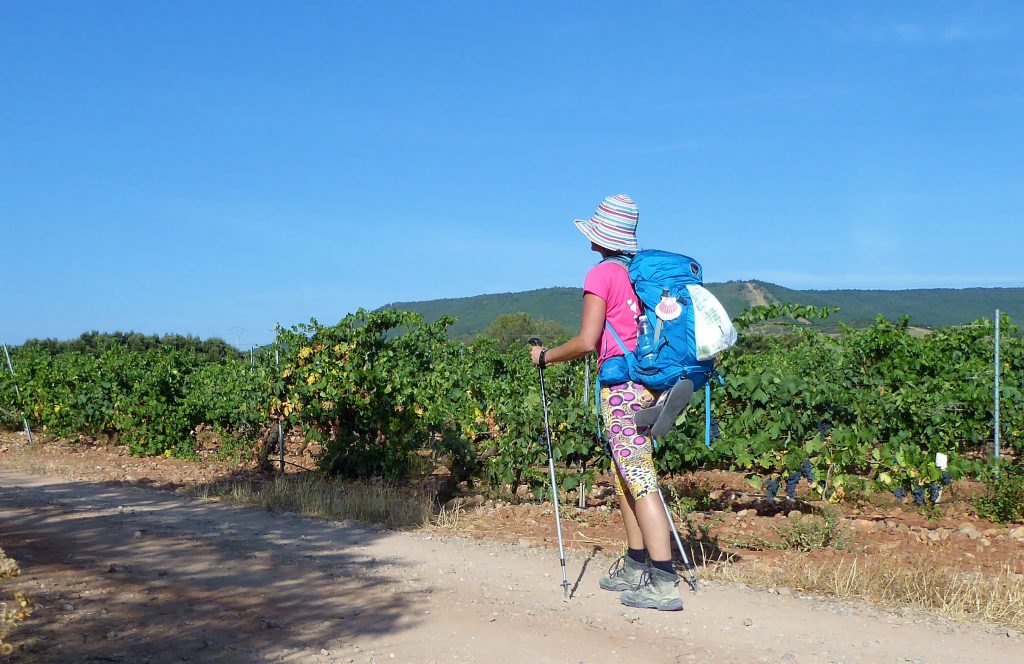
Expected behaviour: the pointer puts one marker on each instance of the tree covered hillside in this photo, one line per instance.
(936, 307)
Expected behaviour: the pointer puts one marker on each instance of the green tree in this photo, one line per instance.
(509, 329)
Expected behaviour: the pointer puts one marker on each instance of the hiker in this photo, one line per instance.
(645, 575)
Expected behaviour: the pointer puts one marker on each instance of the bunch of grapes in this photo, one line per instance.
(918, 493)
(934, 491)
(825, 427)
(716, 432)
(946, 478)
(791, 482)
(900, 493)
(771, 488)
(807, 470)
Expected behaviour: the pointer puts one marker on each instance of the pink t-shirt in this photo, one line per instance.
(610, 282)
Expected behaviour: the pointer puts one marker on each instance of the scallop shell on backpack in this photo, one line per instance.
(668, 308)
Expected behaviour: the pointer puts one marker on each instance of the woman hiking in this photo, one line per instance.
(645, 575)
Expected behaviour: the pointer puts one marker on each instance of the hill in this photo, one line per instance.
(927, 307)
(933, 307)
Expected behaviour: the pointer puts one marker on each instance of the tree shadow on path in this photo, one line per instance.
(128, 574)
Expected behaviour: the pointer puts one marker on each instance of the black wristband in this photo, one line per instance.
(540, 361)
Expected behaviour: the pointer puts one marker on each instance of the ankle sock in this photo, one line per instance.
(638, 555)
(663, 565)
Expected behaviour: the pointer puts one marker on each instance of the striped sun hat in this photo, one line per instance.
(613, 226)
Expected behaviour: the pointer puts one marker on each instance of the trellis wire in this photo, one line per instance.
(17, 393)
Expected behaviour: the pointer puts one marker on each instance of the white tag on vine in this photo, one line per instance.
(941, 460)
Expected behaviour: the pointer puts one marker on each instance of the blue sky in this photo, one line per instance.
(214, 168)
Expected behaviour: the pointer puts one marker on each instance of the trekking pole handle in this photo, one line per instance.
(536, 342)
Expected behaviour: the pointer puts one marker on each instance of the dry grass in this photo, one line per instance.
(918, 582)
(15, 462)
(310, 495)
(449, 517)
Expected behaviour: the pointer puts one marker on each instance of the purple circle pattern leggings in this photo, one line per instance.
(631, 450)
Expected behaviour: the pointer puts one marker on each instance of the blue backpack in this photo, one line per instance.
(667, 344)
(666, 349)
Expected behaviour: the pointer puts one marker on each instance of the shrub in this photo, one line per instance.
(1004, 498)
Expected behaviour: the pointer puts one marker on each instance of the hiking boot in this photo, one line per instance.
(624, 574)
(657, 589)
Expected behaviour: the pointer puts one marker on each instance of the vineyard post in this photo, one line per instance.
(586, 381)
(995, 394)
(17, 393)
(252, 360)
(586, 402)
(280, 429)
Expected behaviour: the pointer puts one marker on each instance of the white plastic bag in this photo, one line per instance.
(712, 326)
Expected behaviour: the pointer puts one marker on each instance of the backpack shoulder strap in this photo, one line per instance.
(618, 339)
(624, 261)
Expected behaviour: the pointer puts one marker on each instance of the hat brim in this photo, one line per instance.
(588, 231)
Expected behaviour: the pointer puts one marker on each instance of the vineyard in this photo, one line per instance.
(851, 413)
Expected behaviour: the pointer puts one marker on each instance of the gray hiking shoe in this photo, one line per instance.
(657, 590)
(624, 574)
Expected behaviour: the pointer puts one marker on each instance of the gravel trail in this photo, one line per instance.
(127, 574)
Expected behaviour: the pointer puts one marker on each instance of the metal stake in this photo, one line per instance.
(586, 402)
(280, 429)
(582, 487)
(995, 396)
(17, 393)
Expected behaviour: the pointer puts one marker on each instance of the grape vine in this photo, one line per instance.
(861, 411)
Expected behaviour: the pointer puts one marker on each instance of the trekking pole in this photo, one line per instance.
(692, 578)
(534, 341)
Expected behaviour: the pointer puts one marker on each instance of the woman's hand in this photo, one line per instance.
(535, 354)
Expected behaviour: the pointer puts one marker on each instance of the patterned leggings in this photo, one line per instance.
(631, 451)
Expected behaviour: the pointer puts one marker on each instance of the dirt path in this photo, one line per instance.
(134, 575)
(757, 297)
